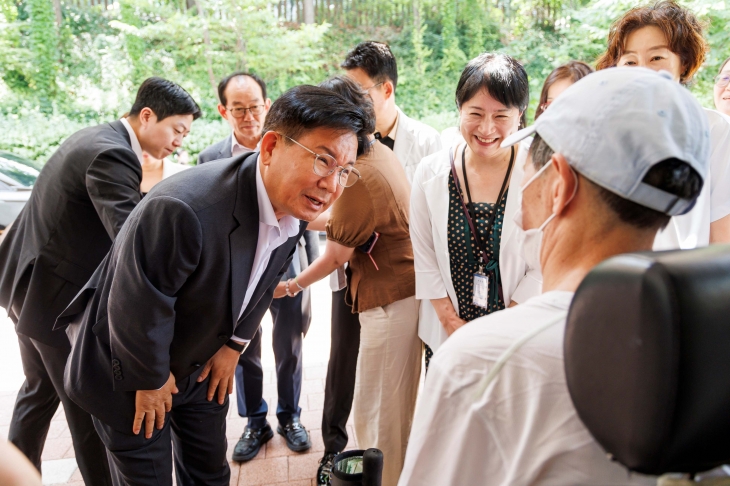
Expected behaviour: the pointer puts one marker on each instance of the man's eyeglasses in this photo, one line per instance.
(722, 80)
(325, 165)
(241, 112)
(367, 90)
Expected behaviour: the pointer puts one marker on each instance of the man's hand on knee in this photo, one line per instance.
(151, 406)
(222, 368)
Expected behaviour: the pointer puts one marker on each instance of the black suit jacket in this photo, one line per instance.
(169, 293)
(82, 197)
(224, 150)
(217, 151)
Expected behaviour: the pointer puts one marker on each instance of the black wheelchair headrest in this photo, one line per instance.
(647, 358)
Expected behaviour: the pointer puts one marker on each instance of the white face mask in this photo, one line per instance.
(531, 240)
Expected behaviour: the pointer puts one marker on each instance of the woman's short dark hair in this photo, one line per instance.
(352, 92)
(682, 29)
(165, 99)
(376, 59)
(224, 84)
(573, 70)
(305, 108)
(672, 175)
(501, 76)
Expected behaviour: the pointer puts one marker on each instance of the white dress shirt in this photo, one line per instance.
(520, 429)
(237, 148)
(272, 234)
(136, 147)
(413, 141)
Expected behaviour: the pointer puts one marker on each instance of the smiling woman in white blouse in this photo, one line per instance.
(472, 187)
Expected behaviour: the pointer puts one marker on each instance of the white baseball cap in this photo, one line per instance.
(613, 125)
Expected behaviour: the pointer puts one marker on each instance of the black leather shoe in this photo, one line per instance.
(250, 442)
(324, 472)
(297, 437)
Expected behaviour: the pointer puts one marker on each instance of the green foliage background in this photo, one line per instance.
(57, 78)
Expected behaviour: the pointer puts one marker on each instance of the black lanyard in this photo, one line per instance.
(468, 213)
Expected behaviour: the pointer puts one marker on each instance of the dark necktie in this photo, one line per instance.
(387, 141)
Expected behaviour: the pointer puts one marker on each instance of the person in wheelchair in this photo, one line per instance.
(618, 154)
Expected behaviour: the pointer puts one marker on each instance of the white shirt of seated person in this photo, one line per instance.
(522, 429)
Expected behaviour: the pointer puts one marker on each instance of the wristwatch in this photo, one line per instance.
(237, 346)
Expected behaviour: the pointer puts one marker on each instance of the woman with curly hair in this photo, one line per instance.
(668, 37)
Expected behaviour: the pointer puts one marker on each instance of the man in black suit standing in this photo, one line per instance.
(158, 330)
(80, 201)
(244, 105)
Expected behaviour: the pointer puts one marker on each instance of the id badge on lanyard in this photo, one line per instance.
(481, 289)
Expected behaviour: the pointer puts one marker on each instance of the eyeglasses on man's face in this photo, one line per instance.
(722, 80)
(367, 90)
(325, 165)
(240, 112)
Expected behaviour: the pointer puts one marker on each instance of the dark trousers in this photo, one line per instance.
(287, 342)
(194, 436)
(339, 386)
(38, 401)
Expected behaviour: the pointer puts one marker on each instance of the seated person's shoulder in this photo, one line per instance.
(482, 342)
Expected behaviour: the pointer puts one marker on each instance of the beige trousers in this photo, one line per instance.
(386, 387)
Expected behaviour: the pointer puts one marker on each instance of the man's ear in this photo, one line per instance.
(222, 110)
(565, 185)
(146, 117)
(267, 103)
(268, 143)
(388, 89)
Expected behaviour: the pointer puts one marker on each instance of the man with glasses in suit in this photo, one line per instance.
(244, 105)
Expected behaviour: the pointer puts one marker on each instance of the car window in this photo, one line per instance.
(18, 172)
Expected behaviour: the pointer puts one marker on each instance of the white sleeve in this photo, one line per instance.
(529, 287)
(719, 165)
(429, 284)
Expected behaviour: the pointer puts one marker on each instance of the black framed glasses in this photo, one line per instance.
(325, 165)
(239, 112)
(722, 80)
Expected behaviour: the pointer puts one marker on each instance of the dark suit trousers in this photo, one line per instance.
(287, 342)
(38, 401)
(197, 428)
(339, 385)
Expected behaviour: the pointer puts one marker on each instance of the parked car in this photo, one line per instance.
(17, 176)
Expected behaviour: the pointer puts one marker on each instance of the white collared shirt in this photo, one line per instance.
(521, 429)
(136, 147)
(237, 148)
(272, 234)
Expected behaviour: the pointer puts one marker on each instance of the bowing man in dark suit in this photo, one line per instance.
(80, 201)
(158, 330)
(244, 105)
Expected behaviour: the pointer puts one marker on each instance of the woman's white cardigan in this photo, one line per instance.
(428, 223)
